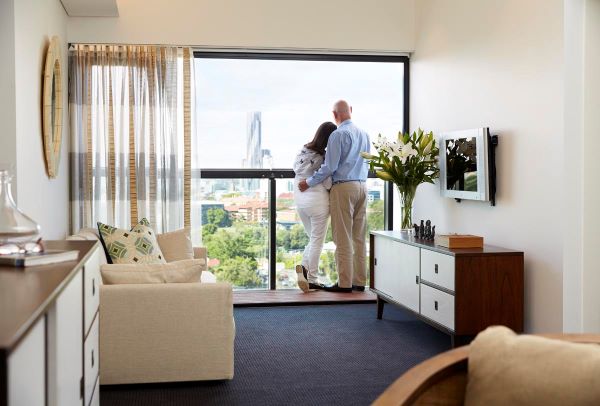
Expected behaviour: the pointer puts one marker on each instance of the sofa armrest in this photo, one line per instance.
(166, 332)
(200, 253)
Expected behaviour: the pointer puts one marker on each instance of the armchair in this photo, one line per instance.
(165, 332)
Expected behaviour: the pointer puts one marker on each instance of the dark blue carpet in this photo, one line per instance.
(305, 355)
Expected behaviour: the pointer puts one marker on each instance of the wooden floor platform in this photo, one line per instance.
(295, 297)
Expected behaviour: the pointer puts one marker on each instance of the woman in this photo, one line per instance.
(312, 205)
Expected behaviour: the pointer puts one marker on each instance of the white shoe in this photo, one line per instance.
(302, 282)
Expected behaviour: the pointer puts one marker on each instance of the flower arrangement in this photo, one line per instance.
(408, 161)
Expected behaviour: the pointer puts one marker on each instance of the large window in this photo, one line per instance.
(253, 114)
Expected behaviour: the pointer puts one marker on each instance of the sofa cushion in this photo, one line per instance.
(186, 271)
(176, 245)
(135, 246)
(506, 369)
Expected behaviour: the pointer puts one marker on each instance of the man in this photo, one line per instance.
(348, 198)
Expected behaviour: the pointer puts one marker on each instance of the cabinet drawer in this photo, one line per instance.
(91, 288)
(91, 358)
(437, 306)
(65, 345)
(438, 269)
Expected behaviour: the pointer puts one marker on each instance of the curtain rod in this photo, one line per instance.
(291, 50)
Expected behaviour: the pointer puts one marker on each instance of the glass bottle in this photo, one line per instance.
(15, 226)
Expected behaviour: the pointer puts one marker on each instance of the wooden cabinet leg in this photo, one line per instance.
(380, 303)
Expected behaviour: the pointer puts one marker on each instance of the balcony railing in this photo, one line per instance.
(251, 229)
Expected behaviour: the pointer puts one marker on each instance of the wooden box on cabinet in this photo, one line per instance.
(459, 291)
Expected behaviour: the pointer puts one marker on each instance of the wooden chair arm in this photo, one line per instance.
(414, 382)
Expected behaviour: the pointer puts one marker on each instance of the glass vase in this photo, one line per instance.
(15, 226)
(407, 195)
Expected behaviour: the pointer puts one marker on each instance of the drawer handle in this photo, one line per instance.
(436, 268)
(417, 279)
(435, 304)
(92, 358)
(93, 286)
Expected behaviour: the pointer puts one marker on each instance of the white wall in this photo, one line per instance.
(499, 64)
(7, 84)
(333, 24)
(582, 197)
(45, 200)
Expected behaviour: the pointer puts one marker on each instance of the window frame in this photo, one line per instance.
(282, 173)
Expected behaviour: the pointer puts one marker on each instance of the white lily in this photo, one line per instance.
(407, 151)
(400, 139)
(382, 144)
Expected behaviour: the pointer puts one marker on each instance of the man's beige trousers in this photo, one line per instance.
(348, 207)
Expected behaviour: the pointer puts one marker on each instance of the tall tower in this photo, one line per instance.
(254, 154)
(254, 141)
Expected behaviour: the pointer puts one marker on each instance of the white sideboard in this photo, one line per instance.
(459, 291)
(49, 331)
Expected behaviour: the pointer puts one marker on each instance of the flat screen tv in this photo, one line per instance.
(467, 164)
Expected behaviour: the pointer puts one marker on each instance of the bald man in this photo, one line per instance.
(347, 199)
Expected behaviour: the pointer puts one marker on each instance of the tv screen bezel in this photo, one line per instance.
(481, 136)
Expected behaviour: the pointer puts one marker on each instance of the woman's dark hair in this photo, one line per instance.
(319, 142)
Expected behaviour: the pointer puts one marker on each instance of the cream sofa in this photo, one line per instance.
(166, 332)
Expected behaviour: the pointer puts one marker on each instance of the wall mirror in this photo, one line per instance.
(52, 105)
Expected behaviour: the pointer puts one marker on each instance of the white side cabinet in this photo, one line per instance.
(460, 292)
(49, 331)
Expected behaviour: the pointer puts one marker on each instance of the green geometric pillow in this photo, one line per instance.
(135, 246)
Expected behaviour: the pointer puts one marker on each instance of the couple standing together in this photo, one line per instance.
(331, 180)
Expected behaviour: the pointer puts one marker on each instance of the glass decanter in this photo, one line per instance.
(15, 226)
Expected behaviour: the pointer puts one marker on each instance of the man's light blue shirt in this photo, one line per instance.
(342, 159)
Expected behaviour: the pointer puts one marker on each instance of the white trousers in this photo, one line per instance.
(314, 219)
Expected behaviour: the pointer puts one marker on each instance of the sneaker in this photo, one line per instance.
(302, 282)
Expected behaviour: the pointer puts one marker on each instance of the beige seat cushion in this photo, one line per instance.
(186, 271)
(176, 245)
(506, 369)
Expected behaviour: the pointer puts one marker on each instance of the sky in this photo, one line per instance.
(294, 98)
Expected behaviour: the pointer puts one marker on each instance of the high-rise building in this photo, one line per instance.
(267, 159)
(254, 141)
(254, 152)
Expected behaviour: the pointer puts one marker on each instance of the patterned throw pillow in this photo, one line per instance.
(136, 246)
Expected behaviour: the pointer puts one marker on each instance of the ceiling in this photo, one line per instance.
(91, 8)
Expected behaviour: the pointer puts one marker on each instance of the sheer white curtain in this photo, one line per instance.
(131, 136)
